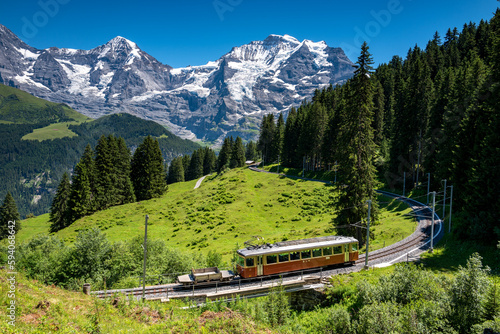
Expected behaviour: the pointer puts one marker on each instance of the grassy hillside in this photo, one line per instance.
(41, 140)
(231, 208)
(52, 131)
(48, 309)
(17, 106)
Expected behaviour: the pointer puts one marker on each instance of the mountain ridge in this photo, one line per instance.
(207, 102)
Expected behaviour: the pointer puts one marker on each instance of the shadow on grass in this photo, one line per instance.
(450, 253)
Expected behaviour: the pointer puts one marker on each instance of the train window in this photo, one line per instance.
(294, 256)
(272, 259)
(305, 254)
(241, 261)
(250, 262)
(337, 249)
(327, 251)
(283, 257)
(354, 247)
(316, 252)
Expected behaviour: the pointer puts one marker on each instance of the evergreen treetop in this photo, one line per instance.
(9, 217)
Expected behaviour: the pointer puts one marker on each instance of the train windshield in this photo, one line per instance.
(250, 262)
(241, 261)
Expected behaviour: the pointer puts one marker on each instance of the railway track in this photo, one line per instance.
(418, 241)
(415, 244)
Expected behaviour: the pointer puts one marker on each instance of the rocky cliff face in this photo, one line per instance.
(226, 96)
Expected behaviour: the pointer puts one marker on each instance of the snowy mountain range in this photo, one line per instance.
(208, 102)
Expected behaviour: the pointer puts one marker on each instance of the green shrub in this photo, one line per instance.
(467, 293)
(277, 307)
(334, 319)
(379, 318)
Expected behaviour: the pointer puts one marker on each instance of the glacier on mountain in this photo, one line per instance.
(225, 96)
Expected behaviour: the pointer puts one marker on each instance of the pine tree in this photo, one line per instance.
(265, 144)
(378, 114)
(289, 139)
(9, 213)
(195, 170)
(82, 198)
(329, 145)
(59, 210)
(176, 171)
(186, 159)
(298, 128)
(251, 151)
(482, 197)
(420, 94)
(279, 135)
(209, 161)
(106, 178)
(224, 155)
(359, 148)
(238, 154)
(147, 170)
(492, 304)
(311, 136)
(124, 188)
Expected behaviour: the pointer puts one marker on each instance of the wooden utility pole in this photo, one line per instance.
(451, 204)
(145, 253)
(432, 226)
(444, 201)
(404, 183)
(368, 232)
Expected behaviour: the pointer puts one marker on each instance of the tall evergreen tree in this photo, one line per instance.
(59, 218)
(330, 144)
(9, 213)
(209, 161)
(289, 139)
(378, 114)
(195, 169)
(82, 199)
(186, 159)
(124, 188)
(311, 136)
(176, 171)
(358, 148)
(238, 154)
(482, 196)
(251, 151)
(265, 144)
(147, 170)
(224, 155)
(106, 178)
(419, 99)
(279, 135)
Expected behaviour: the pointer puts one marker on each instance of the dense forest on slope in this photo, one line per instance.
(32, 169)
(437, 111)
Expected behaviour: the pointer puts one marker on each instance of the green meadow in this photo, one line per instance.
(229, 209)
(52, 131)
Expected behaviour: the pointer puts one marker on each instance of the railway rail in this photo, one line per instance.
(415, 244)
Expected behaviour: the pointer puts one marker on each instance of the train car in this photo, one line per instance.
(286, 256)
(205, 275)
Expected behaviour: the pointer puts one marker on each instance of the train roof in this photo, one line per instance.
(295, 245)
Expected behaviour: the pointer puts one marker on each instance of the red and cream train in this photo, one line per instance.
(281, 257)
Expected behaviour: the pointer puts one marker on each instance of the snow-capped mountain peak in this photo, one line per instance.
(118, 48)
(229, 94)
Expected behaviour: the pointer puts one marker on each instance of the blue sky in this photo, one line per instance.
(181, 33)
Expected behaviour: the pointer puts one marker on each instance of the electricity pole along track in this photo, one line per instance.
(412, 246)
